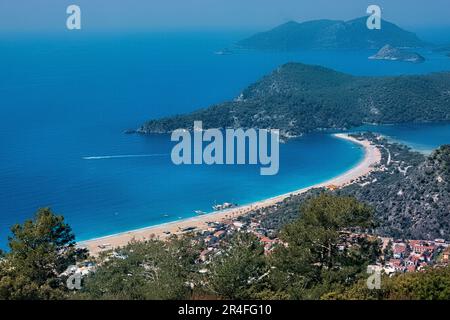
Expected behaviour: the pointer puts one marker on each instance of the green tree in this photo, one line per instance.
(238, 272)
(389, 251)
(317, 258)
(40, 250)
(142, 270)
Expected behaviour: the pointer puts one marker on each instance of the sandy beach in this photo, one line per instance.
(371, 158)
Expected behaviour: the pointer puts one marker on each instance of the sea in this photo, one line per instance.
(66, 100)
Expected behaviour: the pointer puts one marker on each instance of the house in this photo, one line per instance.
(399, 250)
(266, 240)
(211, 240)
(219, 234)
(254, 225)
(388, 270)
(411, 268)
(422, 266)
(397, 265)
(414, 259)
(204, 255)
(238, 224)
(395, 262)
(419, 246)
(446, 255)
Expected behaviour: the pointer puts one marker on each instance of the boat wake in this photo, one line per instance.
(125, 156)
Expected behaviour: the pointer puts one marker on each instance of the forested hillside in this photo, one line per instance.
(411, 201)
(409, 192)
(298, 98)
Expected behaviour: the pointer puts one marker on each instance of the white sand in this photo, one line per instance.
(371, 158)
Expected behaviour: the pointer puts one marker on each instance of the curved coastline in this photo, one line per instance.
(372, 156)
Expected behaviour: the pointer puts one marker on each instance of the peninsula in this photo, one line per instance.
(297, 98)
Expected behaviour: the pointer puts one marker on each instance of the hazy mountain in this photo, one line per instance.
(445, 48)
(331, 34)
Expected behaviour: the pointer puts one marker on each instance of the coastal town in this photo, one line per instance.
(396, 255)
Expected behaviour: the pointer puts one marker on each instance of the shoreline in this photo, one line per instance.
(372, 156)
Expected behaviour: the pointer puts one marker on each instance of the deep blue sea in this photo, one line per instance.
(65, 97)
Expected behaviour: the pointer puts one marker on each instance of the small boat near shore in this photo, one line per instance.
(189, 229)
(225, 205)
(200, 212)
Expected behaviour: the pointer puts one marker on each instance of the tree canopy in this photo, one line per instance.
(40, 250)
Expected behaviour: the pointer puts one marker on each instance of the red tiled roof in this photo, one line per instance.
(219, 233)
(414, 258)
(266, 240)
(399, 248)
(395, 262)
(411, 268)
(422, 248)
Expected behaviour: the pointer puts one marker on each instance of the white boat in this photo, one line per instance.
(223, 52)
(225, 205)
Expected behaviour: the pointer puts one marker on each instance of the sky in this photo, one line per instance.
(104, 15)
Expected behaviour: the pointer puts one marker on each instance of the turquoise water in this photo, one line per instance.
(69, 97)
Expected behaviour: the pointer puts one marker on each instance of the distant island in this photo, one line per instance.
(298, 98)
(388, 52)
(445, 48)
(331, 34)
